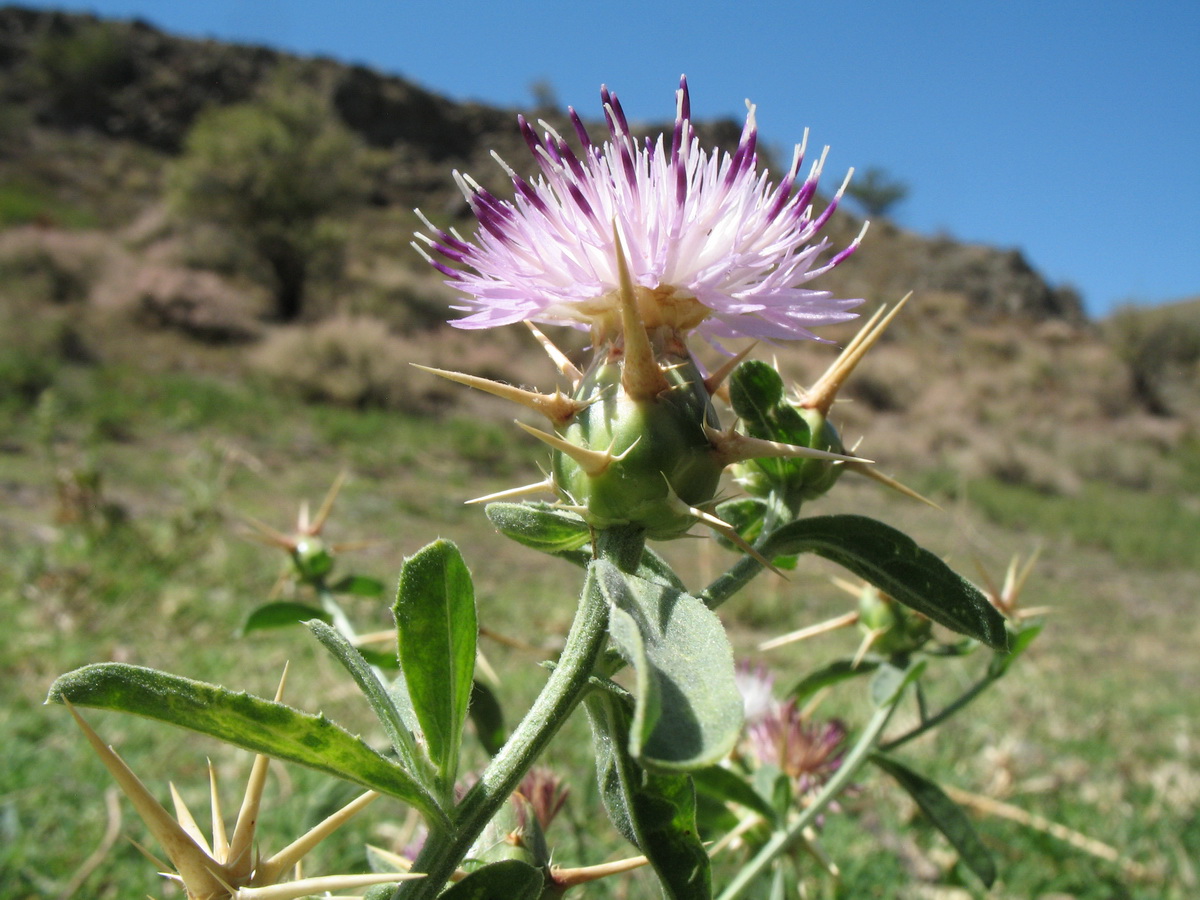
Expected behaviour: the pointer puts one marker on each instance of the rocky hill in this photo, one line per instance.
(1001, 372)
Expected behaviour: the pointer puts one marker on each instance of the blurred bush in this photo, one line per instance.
(1161, 347)
(271, 175)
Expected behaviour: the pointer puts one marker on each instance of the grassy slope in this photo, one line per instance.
(1094, 732)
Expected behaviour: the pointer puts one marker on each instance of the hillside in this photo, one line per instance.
(155, 396)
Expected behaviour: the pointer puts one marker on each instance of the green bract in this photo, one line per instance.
(662, 462)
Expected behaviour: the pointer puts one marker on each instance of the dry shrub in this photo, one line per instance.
(349, 360)
(201, 305)
(48, 265)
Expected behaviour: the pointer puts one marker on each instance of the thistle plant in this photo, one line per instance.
(654, 248)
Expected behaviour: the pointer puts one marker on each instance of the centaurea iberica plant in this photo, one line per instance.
(647, 245)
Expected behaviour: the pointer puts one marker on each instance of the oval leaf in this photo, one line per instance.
(359, 585)
(898, 566)
(540, 526)
(238, 718)
(689, 710)
(436, 633)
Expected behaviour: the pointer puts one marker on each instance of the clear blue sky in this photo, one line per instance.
(1067, 128)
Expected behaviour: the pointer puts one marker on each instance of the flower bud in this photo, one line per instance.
(650, 459)
(893, 628)
(312, 558)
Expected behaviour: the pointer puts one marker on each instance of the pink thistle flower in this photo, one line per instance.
(712, 245)
(808, 752)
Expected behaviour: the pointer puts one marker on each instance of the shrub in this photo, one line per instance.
(270, 174)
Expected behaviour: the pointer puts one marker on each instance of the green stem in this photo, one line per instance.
(444, 851)
(942, 715)
(781, 840)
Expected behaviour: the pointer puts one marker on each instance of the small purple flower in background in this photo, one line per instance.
(712, 245)
(806, 751)
(545, 793)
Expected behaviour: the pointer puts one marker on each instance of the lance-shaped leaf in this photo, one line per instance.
(828, 675)
(382, 702)
(359, 585)
(436, 634)
(655, 812)
(727, 786)
(898, 566)
(946, 815)
(238, 718)
(488, 718)
(282, 613)
(689, 710)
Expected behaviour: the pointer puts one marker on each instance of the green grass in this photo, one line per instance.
(28, 204)
(1092, 730)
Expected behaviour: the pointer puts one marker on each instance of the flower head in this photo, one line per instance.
(711, 243)
(808, 752)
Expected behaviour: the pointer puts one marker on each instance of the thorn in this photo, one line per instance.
(220, 841)
(564, 365)
(190, 861)
(822, 394)
(187, 821)
(270, 871)
(804, 634)
(716, 380)
(282, 682)
(730, 533)
(593, 462)
(867, 642)
(640, 375)
(876, 475)
(546, 484)
(556, 407)
(731, 446)
(322, 885)
(567, 878)
(240, 860)
(327, 504)
(268, 535)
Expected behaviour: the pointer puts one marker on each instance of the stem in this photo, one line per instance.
(568, 681)
(945, 713)
(784, 838)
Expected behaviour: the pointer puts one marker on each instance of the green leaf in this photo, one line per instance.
(1021, 638)
(238, 718)
(511, 879)
(729, 787)
(488, 718)
(894, 563)
(946, 815)
(413, 757)
(281, 614)
(890, 680)
(359, 585)
(655, 812)
(436, 633)
(828, 675)
(540, 526)
(689, 710)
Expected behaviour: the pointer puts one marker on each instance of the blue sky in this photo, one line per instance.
(1070, 130)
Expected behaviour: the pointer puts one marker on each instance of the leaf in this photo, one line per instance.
(281, 614)
(381, 701)
(436, 634)
(946, 815)
(540, 526)
(488, 718)
(894, 563)
(655, 812)
(238, 718)
(359, 585)
(1021, 638)
(828, 675)
(510, 879)
(890, 680)
(729, 787)
(689, 710)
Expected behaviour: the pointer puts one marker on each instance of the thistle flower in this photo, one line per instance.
(808, 752)
(712, 245)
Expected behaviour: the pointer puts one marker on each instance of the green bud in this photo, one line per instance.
(312, 558)
(897, 629)
(661, 460)
(758, 396)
